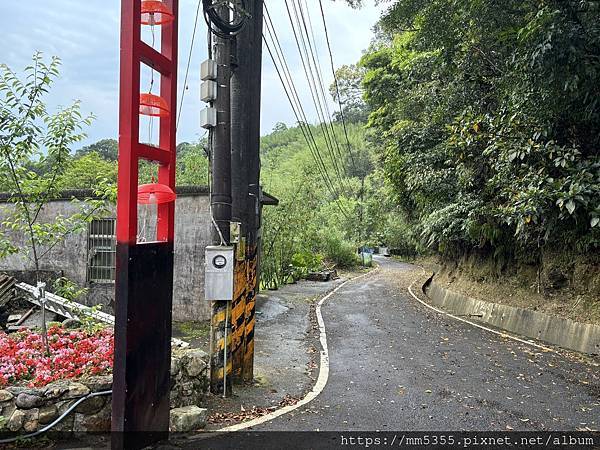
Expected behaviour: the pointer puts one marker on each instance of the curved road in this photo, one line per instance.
(396, 365)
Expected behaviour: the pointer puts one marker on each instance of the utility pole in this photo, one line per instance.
(239, 188)
(220, 380)
(251, 157)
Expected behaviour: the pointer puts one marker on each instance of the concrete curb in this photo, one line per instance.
(565, 333)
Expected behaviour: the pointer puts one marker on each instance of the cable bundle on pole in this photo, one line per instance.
(225, 27)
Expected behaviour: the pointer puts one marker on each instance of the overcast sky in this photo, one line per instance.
(85, 35)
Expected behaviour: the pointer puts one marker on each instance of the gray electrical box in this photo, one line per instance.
(208, 70)
(208, 91)
(208, 118)
(218, 280)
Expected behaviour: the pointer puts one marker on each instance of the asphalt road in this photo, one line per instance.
(396, 365)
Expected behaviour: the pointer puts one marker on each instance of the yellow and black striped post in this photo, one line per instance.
(238, 318)
(221, 360)
(252, 289)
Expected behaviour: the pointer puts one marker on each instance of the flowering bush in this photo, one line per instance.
(72, 353)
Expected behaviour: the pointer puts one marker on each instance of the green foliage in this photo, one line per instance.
(88, 171)
(335, 248)
(70, 291)
(107, 149)
(192, 164)
(354, 108)
(67, 289)
(312, 226)
(487, 120)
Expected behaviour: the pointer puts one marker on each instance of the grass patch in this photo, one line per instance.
(193, 330)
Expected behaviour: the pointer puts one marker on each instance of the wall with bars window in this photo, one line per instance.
(88, 257)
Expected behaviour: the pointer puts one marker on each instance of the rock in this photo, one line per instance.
(16, 420)
(7, 408)
(187, 388)
(28, 401)
(319, 276)
(16, 390)
(47, 414)
(96, 423)
(99, 383)
(65, 426)
(175, 366)
(30, 422)
(196, 363)
(71, 324)
(5, 396)
(55, 390)
(186, 419)
(62, 406)
(91, 406)
(174, 401)
(76, 390)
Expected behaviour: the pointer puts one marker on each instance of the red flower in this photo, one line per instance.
(73, 354)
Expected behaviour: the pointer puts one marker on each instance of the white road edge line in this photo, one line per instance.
(499, 333)
(323, 369)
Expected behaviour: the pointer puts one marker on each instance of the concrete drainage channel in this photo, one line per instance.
(564, 333)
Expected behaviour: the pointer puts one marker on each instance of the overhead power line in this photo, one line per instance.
(187, 69)
(307, 57)
(282, 68)
(337, 87)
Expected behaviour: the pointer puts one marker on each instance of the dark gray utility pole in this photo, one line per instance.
(251, 158)
(245, 169)
(221, 209)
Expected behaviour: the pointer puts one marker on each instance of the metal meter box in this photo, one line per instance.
(218, 280)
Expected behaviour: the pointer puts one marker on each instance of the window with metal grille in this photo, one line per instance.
(101, 251)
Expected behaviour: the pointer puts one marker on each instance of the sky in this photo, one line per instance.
(85, 35)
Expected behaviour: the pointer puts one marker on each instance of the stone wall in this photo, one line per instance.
(25, 410)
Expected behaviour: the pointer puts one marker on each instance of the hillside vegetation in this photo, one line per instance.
(486, 117)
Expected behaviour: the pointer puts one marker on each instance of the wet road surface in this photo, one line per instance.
(396, 365)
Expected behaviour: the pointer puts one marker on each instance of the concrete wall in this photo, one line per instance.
(69, 258)
(564, 333)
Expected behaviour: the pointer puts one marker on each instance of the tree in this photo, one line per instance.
(107, 149)
(488, 124)
(30, 133)
(87, 172)
(349, 93)
(192, 165)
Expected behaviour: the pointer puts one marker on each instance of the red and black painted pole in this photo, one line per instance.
(144, 275)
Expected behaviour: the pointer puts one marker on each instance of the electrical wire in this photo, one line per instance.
(321, 85)
(294, 99)
(303, 49)
(298, 110)
(218, 26)
(303, 122)
(187, 69)
(337, 87)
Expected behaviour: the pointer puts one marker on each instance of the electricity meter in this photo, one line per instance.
(218, 280)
